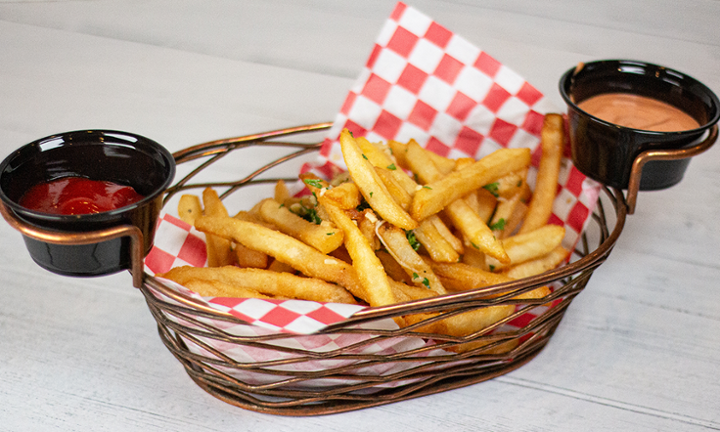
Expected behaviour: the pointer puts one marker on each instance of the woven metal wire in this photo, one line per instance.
(293, 378)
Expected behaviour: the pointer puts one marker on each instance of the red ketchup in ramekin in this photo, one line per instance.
(77, 195)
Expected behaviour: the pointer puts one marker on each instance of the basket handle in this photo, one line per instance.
(83, 238)
(656, 155)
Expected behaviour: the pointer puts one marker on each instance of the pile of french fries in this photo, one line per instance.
(402, 224)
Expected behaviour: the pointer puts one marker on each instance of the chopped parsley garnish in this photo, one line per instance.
(364, 157)
(427, 187)
(493, 188)
(499, 225)
(426, 282)
(312, 216)
(314, 183)
(412, 239)
(308, 213)
(392, 167)
(474, 245)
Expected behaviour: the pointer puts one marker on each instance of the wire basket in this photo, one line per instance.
(296, 379)
(365, 360)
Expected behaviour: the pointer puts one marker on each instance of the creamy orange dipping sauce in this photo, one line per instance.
(638, 112)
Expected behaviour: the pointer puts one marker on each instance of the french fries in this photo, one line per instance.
(189, 208)
(433, 197)
(546, 186)
(283, 248)
(236, 282)
(219, 252)
(324, 237)
(371, 186)
(403, 224)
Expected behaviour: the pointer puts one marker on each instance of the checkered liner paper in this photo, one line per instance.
(423, 82)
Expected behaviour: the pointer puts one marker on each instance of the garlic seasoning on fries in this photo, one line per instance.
(402, 224)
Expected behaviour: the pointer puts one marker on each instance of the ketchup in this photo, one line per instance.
(77, 195)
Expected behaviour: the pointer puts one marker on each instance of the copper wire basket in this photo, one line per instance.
(191, 332)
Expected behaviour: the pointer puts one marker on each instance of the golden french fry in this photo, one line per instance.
(443, 164)
(510, 184)
(396, 242)
(219, 251)
(398, 150)
(213, 205)
(375, 154)
(284, 248)
(370, 185)
(531, 245)
(394, 270)
(538, 265)
(254, 218)
(462, 277)
(444, 231)
(345, 195)
(463, 162)
(281, 191)
(264, 281)
(369, 269)
(515, 219)
(552, 140)
(421, 163)
(396, 190)
(435, 196)
(324, 236)
(246, 257)
(435, 243)
(467, 323)
(487, 203)
(473, 202)
(406, 292)
(476, 231)
(366, 225)
(189, 208)
(221, 289)
(342, 254)
(502, 348)
(505, 209)
(405, 181)
(475, 322)
(474, 258)
(280, 267)
(479, 320)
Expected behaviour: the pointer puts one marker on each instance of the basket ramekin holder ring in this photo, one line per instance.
(663, 155)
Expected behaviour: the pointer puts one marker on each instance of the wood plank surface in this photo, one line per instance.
(638, 350)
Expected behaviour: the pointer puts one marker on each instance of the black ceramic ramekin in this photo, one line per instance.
(115, 156)
(605, 151)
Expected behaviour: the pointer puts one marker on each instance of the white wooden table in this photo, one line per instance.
(638, 350)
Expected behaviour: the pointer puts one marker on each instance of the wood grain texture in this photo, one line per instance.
(637, 350)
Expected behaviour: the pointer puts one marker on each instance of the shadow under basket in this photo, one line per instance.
(364, 361)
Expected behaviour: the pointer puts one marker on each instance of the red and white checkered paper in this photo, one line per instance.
(423, 82)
